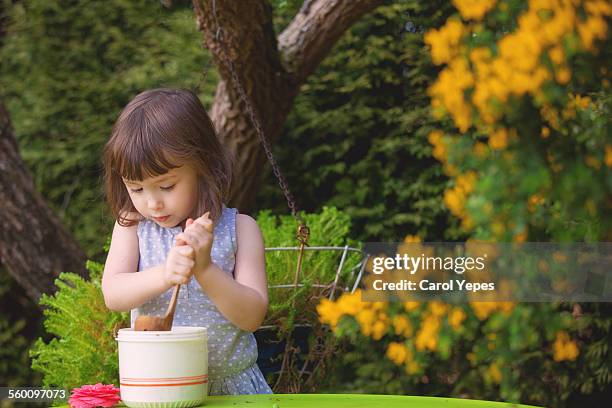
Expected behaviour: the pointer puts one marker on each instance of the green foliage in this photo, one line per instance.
(83, 350)
(15, 339)
(68, 69)
(296, 305)
(357, 135)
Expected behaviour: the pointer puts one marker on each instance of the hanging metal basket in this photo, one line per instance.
(296, 358)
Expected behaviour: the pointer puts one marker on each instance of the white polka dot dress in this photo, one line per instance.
(232, 352)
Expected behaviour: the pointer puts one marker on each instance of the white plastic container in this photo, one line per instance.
(163, 369)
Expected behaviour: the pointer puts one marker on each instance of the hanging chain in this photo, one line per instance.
(203, 77)
(303, 231)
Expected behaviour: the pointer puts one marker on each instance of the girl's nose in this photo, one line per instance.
(154, 204)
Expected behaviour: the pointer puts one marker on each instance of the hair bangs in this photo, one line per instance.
(148, 155)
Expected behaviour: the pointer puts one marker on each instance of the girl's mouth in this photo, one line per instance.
(161, 219)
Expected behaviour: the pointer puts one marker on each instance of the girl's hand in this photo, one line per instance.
(199, 236)
(179, 265)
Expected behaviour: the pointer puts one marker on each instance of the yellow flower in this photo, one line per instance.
(534, 201)
(449, 88)
(479, 55)
(427, 337)
(564, 348)
(545, 132)
(521, 50)
(473, 9)
(582, 101)
(379, 329)
(454, 198)
(450, 170)
(495, 373)
(456, 317)
(569, 112)
(366, 318)
(483, 309)
(444, 42)
(409, 239)
(454, 201)
(520, 237)
(398, 353)
(350, 303)
(600, 7)
(593, 28)
(480, 150)
(563, 75)
(409, 306)
(439, 152)
(551, 115)
(402, 325)
(378, 306)
(438, 308)
(328, 312)
(498, 140)
(506, 307)
(557, 55)
(413, 367)
(466, 181)
(608, 158)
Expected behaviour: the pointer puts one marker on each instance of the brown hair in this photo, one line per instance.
(159, 130)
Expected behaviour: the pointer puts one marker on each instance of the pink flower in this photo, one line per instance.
(91, 396)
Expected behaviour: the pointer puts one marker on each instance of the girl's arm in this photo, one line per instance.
(243, 300)
(122, 288)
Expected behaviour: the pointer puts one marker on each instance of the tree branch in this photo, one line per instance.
(315, 30)
(246, 38)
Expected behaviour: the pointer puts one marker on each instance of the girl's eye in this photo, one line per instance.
(168, 188)
(135, 190)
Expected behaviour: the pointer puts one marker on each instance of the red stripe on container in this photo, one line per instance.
(162, 385)
(197, 377)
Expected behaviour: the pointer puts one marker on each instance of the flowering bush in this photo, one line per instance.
(522, 102)
(526, 86)
(489, 350)
(484, 350)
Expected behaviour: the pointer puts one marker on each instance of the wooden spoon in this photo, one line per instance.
(156, 323)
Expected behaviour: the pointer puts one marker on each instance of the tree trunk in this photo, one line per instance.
(271, 74)
(34, 246)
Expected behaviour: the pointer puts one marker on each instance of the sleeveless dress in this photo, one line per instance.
(232, 352)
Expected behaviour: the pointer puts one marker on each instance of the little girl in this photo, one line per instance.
(166, 177)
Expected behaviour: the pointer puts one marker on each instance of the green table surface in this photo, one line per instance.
(348, 401)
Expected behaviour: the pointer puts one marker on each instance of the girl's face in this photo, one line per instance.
(168, 199)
